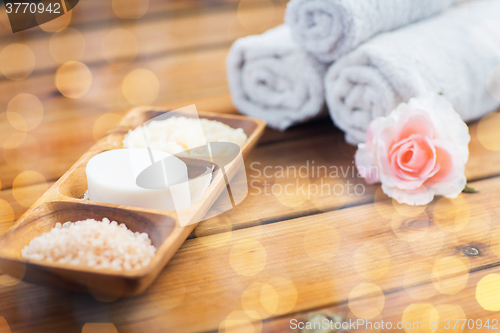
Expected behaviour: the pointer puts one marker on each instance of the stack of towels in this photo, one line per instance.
(358, 59)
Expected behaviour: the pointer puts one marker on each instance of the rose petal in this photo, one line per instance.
(416, 197)
(416, 122)
(449, 160)
(365, 166)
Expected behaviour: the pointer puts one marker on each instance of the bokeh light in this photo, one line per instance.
(290, 190)
(488, 133)
(366, 300)
(29, 177)
(104, 123)
(327, 193)
(130, 9)
(73, 79)
(21, 151)
(321, 242)
(119, 47)
(241, 322)
(247, 257)
(67, 45)
(57, 24)
(247, 18)
(6, 216)
(4, 326)
(99, 328)
(168, 294)
(422, 313)
(25, 112)
(17, 61)
(493, 83)
(14, 140)
(450, 312)
(413, 278)
(275, 297)
(372, 260)
(141, 87)
(17, 270)
(450, 274)
(488, 292)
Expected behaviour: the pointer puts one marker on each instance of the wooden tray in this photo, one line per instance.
(62, 203)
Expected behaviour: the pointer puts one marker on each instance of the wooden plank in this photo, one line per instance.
(402, 306)
(319, 259)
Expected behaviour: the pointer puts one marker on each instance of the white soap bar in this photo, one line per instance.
(112, 175)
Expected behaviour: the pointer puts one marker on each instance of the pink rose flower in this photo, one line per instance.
(416, 152)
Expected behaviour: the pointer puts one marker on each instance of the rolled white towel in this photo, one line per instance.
(331, 28)
(271, 78)
(450, 54)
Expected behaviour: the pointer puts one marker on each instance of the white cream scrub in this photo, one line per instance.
(112, 175)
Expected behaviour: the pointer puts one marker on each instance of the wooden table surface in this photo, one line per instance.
(277, 257)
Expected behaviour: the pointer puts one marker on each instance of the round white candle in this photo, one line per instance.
(112, 175)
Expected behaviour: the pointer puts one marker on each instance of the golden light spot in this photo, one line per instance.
(17, 61)
(414, 278)
(168, 294)
(493, 82)
(407, 210)
(119, 47)
(73, 79)
(67, 45)
(383, 204)
(372, 260)
(6, 216)
(4, 326)
(416, 318)
(327, 193)
(451, 215)
(286, 292)
(451, 312)
(487, 131)
(450, 274)
(241, 322)
(130, 9)
(141, 87)
(224, 227)
(17, 270)
(99, 328)
(247, 17)
(321, 242)
(495, 241)
(104, 123)
(366, 300)
(291, 191)
(488, 292)
(25, 112)
(56, 24)
(8, 281)
(247, 257)
(25, 197)
(21, 155)
(277, 296)
(367, 328)
(14, 140)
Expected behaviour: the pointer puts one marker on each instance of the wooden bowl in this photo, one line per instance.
(62, 203)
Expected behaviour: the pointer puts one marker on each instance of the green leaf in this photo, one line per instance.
(468, 189)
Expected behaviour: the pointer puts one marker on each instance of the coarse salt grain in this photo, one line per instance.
(98, 244)
(176, 134)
